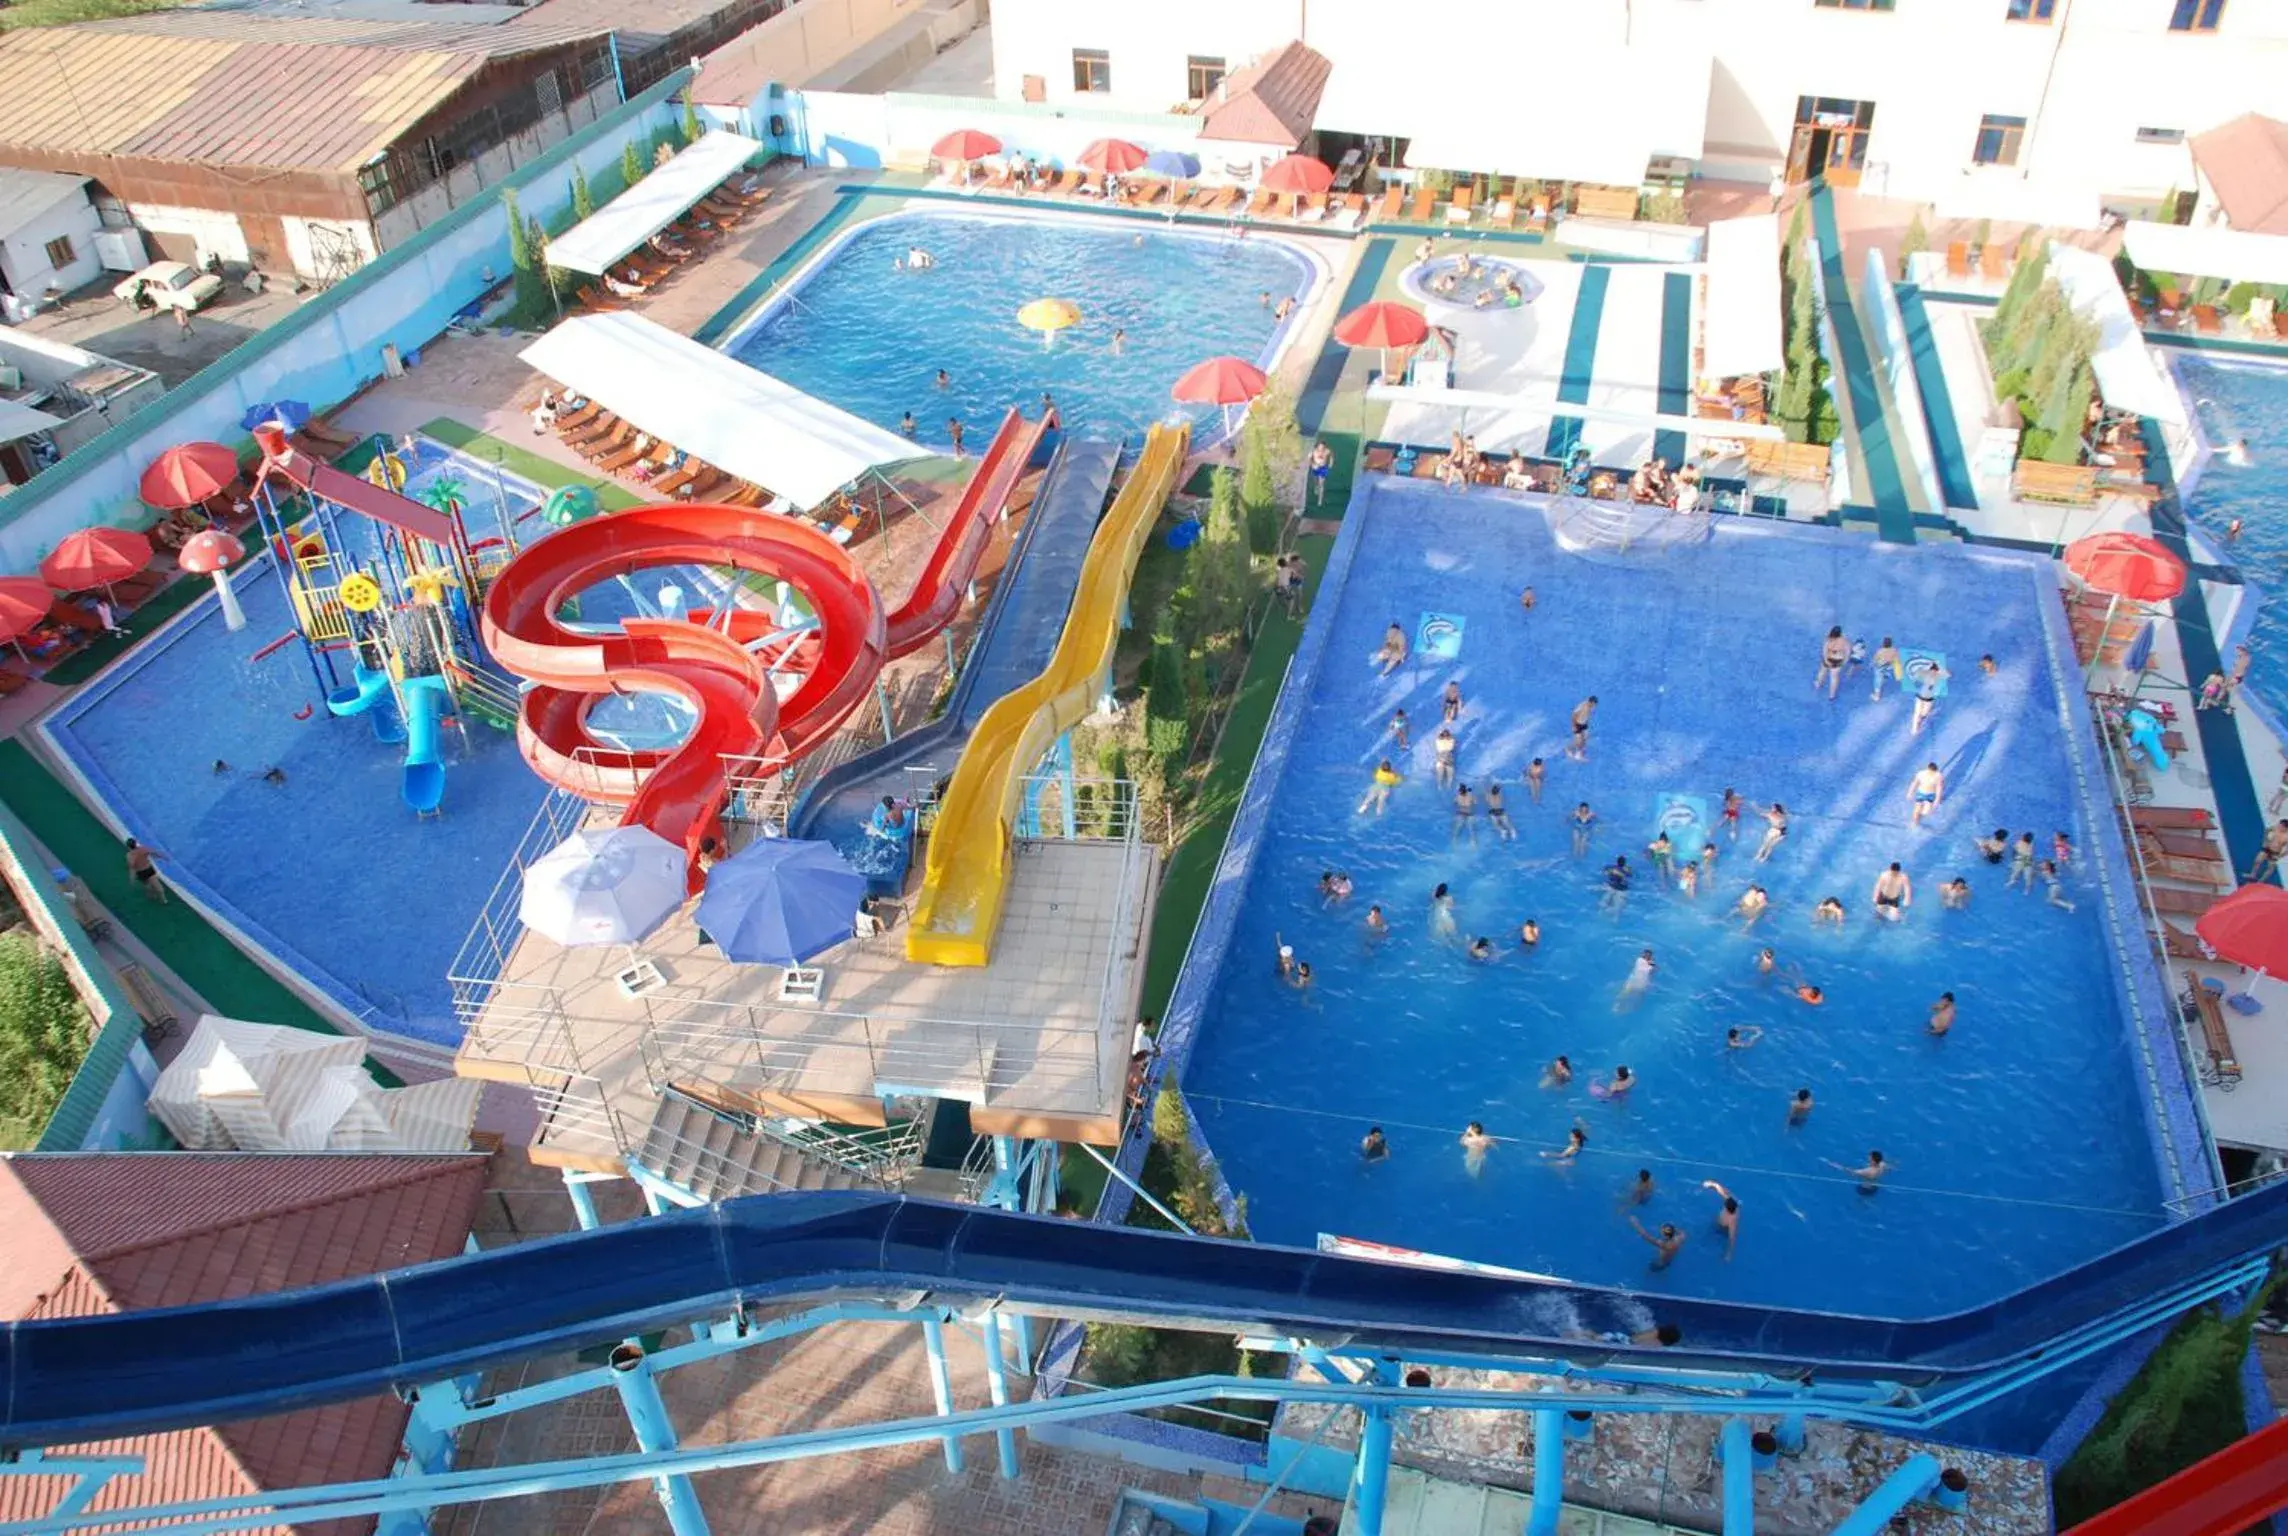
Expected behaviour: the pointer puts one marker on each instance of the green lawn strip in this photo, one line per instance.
(524, 462)
(103, 650)
(185, 942)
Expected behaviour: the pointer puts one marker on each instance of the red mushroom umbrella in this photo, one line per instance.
(2250, 928)
(1385, 325)
(95, 557)
(2123, 565)
(188, 474)
(24, 601)
(212, 553)
(1224, 381)
(1299, 175)
(1113, 157)
(965, 145)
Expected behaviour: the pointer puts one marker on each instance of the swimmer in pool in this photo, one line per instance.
(1575, 1140)
(1727, 1216)
(1482, 949)
(1475, 1145)
(1955, 894)
(1300, 979)
(1927, 685)
(1766, 963)
(1799, 1107)
(1775, 831)
(1465, 816)
(1886, 665)
(1731, 816)
(1398, 729)
(1583, 713)
(1894, 893)
(1377, 926)
(1809, 995)
(1373, 1147)
(1662, 851)
(2054, 886)
(1942, 1014)
(1583, 820)
(1497, 813)
(1869, 1174)
(1754, 902)
(1828, 911)
(1392, 655)
(1665, 1243)
(1558, 1073)
(1442, 912)
(1996, 848)
(1986, 664)
(1617, 878)
(1639, 1189)
(1708, 860)
(1924, 792)
(1286, 962)
(1536, 772)
(2021, 863)
(1377, 797)
(1450, 702)
(1623, 1081)
(1529, 936)
(1442, 754)
(1688, 881)
(1740, 1036)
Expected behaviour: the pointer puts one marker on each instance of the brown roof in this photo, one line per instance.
(2246, 161)
(1272, 101)
(237, 88)
(115, 1232)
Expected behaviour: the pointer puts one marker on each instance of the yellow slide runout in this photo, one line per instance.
(967, 876)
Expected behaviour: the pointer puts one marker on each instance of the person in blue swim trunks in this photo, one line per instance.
(1925, 790)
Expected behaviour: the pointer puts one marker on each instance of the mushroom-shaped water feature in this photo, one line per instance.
(212, 553)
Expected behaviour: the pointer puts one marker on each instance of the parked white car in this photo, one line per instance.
(173, 284)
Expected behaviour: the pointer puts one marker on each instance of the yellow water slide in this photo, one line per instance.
(971, 845)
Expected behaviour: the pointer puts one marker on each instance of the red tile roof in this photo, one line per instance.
(115, 1232)
(1272, 101)
(2246, 161)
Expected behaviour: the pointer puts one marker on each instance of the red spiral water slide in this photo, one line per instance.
(679, 791)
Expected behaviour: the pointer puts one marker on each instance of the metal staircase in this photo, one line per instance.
(716, 1155)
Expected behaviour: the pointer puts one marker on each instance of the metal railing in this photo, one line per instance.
(880, 1155)
(484, 953)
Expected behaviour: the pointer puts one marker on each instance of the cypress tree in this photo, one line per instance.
(1258, 492)
(691, 128)
(631, 165)
(583, 200)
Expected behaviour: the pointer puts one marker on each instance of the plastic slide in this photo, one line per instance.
(427, 703)
(679, 791)
(369, 695)
(2230, 1492)
(1015, 640)
(130, 1373)
(970, 846)
(361, 496)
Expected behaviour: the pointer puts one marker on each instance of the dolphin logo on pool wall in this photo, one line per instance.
(1915, 665)
(1439, 636)
(1685, 819)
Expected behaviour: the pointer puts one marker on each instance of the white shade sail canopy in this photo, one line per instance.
(1543, 397)
(655, 202)
(1742, 331)
(1561, 125)
(2128, 377)
(23, 420)
(737, 418)
(2233, 254)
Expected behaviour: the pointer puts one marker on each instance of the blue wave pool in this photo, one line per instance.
(856, 331)
(2243, 400)
(2020, 1142)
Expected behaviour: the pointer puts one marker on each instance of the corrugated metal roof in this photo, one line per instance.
(115, 1232)
(26, 195)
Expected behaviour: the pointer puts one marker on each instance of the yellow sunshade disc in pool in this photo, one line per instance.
(360, 593)
(388, 472)
(1049, 315)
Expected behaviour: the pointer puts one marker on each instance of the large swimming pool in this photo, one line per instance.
(2248, 401)
(2019, 1143)
(857, 331)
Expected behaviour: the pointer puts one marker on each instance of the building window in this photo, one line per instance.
(60, 253)
(2160, 135)
(2030, 10)
(1092, 70)
(1998, 140)
(1855, 5)
(1201, 77)
(2196, 15)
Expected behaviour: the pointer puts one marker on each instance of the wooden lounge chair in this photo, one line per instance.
(1419, 210)
(1259, 203)
(1993, 261)
(1392, 195)
(571, 421)
(1349, 211)
(2182, 945)
(589, 431)
(2168, 866)
(590, 299)
(679, 477)
(1069, 183)
(2170, 818)
(2167, 898)
(704, 484)
(1958, 258)
(1458, 211)
(1503, 214)
(997, 178)
(2208, 1008)
(610, 443)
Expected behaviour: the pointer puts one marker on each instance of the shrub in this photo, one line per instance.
(1166, 725)
(2239, 296)
(44, 1031)
(583, 198)
(691, 127)
(1171, 1126)
(631, 165)
(1915, 241)
(1223, 577)
(1259, 492)
(1120, 1354)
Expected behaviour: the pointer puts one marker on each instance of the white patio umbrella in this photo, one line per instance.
(603, 886)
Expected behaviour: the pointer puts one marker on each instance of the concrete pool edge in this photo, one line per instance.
(1319, 270)
(2144, 1014)
(332, 998)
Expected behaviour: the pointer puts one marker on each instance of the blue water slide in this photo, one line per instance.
(370, 695)
(147, 1372)
(1014, 642)
(427, 703)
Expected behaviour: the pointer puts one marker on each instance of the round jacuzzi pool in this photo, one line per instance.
(1470, 281)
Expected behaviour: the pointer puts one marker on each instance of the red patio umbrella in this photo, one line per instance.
(24, 601)
(2123, 565)
(1384, 325)
(188, 474)
(95, 557)
(1298, 174)
(1113, 157)
(1224, 381)
(966, 144)
(2250, 928)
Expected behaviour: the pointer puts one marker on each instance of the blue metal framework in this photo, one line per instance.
(427, 1333)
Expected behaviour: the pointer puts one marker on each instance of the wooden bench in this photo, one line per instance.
(2171, 818)
(159, 1018)
(2224, 1065)
(2073, 485)
(1619, 203)
(2167, 898)
(1789, 461)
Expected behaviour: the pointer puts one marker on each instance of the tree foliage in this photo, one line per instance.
(1223, 574)
(1259, 491)
(691, 126)
(632, 165)
(44, 1031)
(583, 198)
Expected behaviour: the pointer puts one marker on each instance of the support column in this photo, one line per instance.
(1790, 1434)
(1548, 1472)
(655, 1435)
(1371, 1492)
(1007, 1190)
(882, 699)
(583, 1204)
(1739, 1459)
(997, 1385)
(941, 1384)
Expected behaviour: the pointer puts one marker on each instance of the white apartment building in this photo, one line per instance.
(2046, 110)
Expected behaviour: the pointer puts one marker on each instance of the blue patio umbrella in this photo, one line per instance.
(1173, 164)
(781, 901)
(2140, 649)
(294, 415)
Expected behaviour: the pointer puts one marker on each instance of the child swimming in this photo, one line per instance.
(1377, 797)
(1497, 813)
